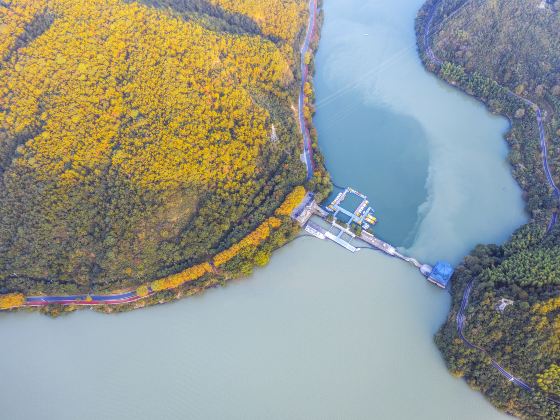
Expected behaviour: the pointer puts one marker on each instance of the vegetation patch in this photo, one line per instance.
(135, 137)
(502, 52)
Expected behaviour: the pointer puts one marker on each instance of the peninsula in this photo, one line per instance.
(147, 160)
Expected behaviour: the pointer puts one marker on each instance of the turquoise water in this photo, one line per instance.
(320, 332)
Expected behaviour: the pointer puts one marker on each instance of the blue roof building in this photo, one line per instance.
(441, 274)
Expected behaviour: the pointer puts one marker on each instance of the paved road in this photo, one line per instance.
(114, 299)
(544, 152)
(461, 317)
(307, 149)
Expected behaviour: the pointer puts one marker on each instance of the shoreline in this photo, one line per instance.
(144, 295)
(500, 101)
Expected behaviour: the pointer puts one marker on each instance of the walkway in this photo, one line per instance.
(388, 249)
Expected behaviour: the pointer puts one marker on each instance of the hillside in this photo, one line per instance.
(507, 54)
(136, 137)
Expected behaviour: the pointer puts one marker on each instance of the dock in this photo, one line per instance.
(338, 240)
(353, 224)
(315, 230)
(321, 233)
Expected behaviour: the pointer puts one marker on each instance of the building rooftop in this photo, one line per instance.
(441, 274)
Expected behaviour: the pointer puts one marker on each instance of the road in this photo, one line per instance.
(461, 317)
(544, 153)
(84, 300)
(307, 149)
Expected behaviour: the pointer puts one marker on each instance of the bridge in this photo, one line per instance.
(392, 251)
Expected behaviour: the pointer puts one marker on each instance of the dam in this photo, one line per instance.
(351, 219)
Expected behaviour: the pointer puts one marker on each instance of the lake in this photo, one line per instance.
(320, 332)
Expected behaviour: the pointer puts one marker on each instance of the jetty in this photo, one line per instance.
(322, 233)
(351, 223)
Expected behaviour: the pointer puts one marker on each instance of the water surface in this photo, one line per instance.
(319, 333)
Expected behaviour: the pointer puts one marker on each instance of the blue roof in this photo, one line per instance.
(441, 273)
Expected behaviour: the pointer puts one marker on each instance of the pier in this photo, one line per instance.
(359, 217)
(392, 251)
(321, 233)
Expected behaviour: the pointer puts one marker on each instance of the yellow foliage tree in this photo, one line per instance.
(176, 280)
(274, 222)
(142, 291)
(12, 300)
(280, 18)
(548, 306)
(253, 239)
(291, 202)
(549, 380)
(123, 106)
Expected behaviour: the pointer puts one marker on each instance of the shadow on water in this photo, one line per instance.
(381, 153)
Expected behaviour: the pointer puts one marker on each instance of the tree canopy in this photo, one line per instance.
(135, 140)
(490, 49)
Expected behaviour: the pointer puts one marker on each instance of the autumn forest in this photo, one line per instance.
(138, 139)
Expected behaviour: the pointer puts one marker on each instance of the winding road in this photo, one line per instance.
(85, 300)
(434, 59)
(461, 316)
(307, 148)
(544, 153)
(132, 296)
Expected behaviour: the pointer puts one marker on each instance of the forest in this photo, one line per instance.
(135, 137)
(491, 49)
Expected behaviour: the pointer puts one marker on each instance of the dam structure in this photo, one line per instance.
(351, 220)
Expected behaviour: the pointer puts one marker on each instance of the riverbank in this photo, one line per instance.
(231, 263)
(319, 332)
(479, 344)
